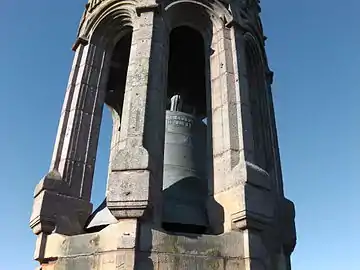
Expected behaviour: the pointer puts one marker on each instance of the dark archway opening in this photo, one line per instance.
(186, 71)
(114, 99)
(185, 185)
(118, 71)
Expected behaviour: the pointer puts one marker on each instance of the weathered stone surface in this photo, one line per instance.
(170, 262)
(54, 212)
(78, 132)
(122, 260)
(114, 237)
(235, 264)
(134, 183)
(226, 245)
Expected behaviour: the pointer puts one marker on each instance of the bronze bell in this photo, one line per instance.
(185, 184)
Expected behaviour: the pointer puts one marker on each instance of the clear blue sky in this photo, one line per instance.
(313, 47)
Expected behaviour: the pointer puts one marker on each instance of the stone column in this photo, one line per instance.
(62, 198)
(75, 150)
(240, 187)
(225, 126)
(225, 113)
(115, 138)
(135, 180)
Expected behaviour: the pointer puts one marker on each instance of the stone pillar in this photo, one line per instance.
(225, 122)
(240, 187)
(225, 114)
(244, 187)
(135, 181)
(115, 138)
(62, 198)
(76, 144)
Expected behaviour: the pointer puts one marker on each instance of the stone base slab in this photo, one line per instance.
(129, 245)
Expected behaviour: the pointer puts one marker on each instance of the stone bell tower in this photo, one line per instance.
(194, 170)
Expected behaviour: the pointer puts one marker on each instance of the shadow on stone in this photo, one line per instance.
(143, 258)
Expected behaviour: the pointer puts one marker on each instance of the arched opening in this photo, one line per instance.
(114, 99)
(118, 71)
(185, 184)
(258, 97)
(186, 70)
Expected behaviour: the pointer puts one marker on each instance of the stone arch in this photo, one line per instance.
(212, 14)
(108, 20)
(200, 16)
(108, 24)
(253, 44)
(105, 26)
(256, 37)
(209, 19)
(215, 8)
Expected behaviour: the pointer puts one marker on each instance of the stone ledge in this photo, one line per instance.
(162, 261)
(121, 259)
(120, 236)
(248, 220)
